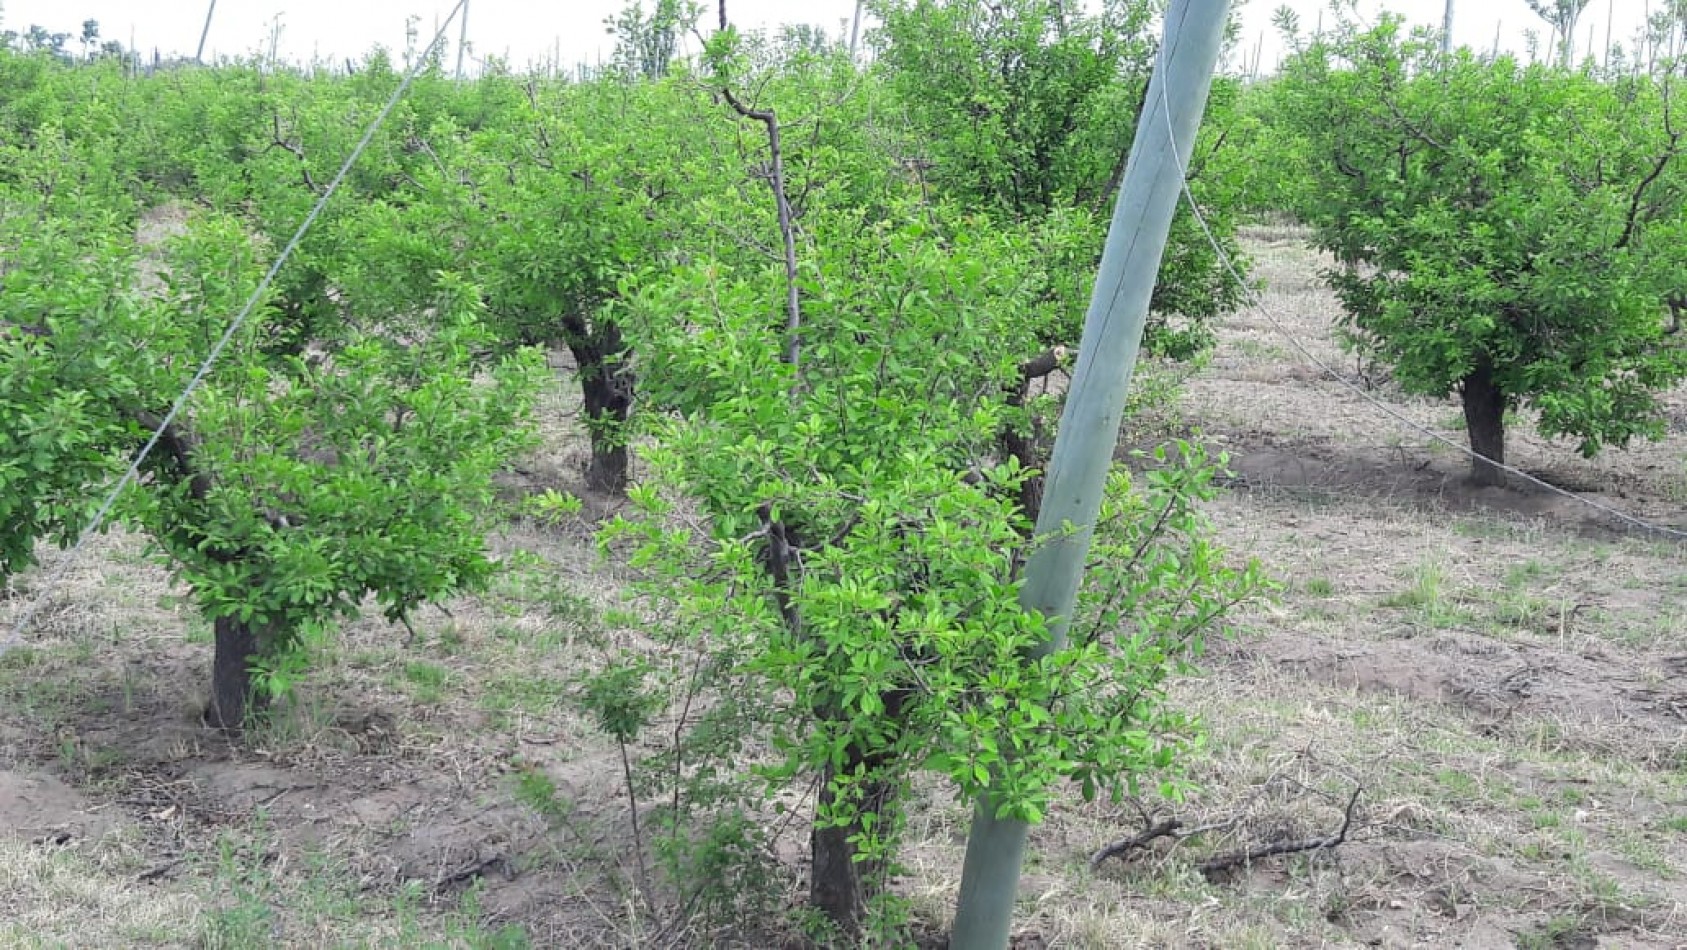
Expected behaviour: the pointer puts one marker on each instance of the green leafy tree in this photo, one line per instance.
(1562, 16)
(857, 583)
(1508, 233)
(833, 414)
(68, 305)
(547, 213)
(541, 195)
(645, 45)
(322, 461)
(66, 308)
(1027, 107)
(42, 40)
(294, 486)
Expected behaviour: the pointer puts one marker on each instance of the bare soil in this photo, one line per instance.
(1502, 672)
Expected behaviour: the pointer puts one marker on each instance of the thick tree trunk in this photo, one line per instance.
(1028, 450)
(607, 390)
(607, 411)
(1484, 419)
(835, 885)
(839, 886)
(232, 696)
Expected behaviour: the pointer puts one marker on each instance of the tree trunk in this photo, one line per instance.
(839, 886)
(607, 389)
(1484, 419)
(1028, 450)
(1027, 447)
(232, 696)
(835, 887)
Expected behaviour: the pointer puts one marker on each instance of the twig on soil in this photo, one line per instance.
(478, 869)
(1170, 828)
(1212, 867)
(1173, 828)
(159, 870)
(1141, 839)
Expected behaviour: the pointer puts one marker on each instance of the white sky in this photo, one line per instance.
(533, 32)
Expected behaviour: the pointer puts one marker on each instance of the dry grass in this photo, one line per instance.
(1501, 673)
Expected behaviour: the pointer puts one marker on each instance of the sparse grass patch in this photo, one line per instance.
(1518, 576)
(450, 641)
(63, 897)
(1458, 783)
(1485, 527)
(1427, 580)
(1557, 933)
(1646, 855)
(18, 658)
(1675, 486)
(372, 658)
(200, 633)
(426, 680)
(1522, 610)
(535, 695)
(539, 791)
(1259, 349)
(1427, 596)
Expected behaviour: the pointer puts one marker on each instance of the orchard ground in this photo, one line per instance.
(1503, 673)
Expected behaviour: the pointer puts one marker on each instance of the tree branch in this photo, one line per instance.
(1028, 447)
(1042, 364)
(1215, 866)
(298, 152)
(9, 330)
(181, 446)
(778, 563)
(1633, 220)
(1201, 163)
(1164, 829)
(787, 228)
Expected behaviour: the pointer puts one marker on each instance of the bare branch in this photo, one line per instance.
(787, 227)
(1215, 866)
(298, 152)
(1658, 167)
(10, 330)
(1155, 831)
(778, 555)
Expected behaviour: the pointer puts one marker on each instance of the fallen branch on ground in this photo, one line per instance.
(1174, 829)
(1164, 829)
(1224, 862)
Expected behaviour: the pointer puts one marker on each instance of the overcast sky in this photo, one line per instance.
(534, 31)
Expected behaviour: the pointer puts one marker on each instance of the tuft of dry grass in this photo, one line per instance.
(85, 897)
